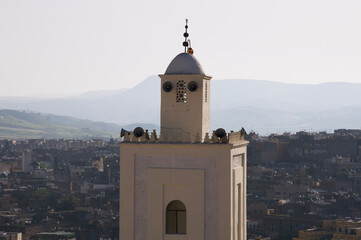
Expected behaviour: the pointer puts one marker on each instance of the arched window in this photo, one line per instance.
(176, 218)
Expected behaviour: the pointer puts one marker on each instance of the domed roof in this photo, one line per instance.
(184, 63)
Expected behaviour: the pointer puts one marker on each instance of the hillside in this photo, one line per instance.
(262, 106)
(25, 125)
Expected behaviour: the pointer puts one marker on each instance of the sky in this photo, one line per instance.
(64, 47)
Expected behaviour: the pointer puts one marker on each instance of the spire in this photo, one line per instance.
(186, 35)
(187, 42)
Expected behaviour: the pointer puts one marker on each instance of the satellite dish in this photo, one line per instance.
(124, 132)
(192, 86)
(138, 132)
(220, 132)
(167, 86)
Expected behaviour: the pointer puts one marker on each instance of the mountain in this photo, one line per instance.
(262, 106)
(20, 125)
(138, 104)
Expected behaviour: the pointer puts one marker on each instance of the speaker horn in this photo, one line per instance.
(124, 132)
(138, 132)
(192, 86)
(220, 132)
(243, 132)
(167, 86)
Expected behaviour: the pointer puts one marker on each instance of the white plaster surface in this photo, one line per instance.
(142, 163)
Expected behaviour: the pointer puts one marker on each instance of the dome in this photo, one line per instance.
(184, 63)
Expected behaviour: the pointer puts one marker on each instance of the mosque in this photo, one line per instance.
(186, 183)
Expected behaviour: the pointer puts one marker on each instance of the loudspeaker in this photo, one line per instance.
(220, 132)
(124, 132)
(167, 86)
(192, 86)
(138, 132)
(243, 132)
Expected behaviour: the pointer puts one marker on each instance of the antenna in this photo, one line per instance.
(186, 35)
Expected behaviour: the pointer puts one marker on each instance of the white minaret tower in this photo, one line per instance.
(188, 183)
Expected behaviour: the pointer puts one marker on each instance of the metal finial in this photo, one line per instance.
(185, 43)
(190, 49)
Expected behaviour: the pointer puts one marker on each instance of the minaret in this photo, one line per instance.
(187, 182)
(185, 90)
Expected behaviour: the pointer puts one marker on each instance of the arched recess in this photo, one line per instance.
(176, 218)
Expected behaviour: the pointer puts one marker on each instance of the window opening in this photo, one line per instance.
(176, 218)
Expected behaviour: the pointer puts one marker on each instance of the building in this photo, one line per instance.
(187, 182)
(11, 236)
(26, 161)
(339, 229)
(55, 236)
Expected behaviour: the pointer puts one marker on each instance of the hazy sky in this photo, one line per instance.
(51, 47)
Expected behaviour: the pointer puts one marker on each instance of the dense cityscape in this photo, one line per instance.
(301, 186)
(67, 187)
(306, 185)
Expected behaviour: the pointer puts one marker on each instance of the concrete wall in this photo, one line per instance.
(178, 119)
(204, 177)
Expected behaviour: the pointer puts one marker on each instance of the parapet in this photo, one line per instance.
(218, 136)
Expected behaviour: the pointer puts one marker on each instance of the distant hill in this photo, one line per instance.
(24, 125)
(262, 106)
